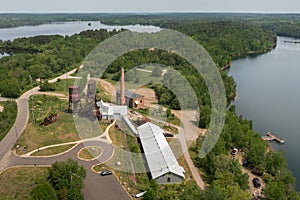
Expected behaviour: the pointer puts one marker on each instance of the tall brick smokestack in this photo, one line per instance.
(122, 92)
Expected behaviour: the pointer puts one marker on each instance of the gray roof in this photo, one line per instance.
(130, 94)
(130, 125)
(158, 153)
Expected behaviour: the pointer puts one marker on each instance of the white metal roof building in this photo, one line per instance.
(111, 111)
(161, 161)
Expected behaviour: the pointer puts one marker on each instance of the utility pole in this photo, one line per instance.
(16, 133)
(33, 119)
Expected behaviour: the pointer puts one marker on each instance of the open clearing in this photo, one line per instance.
(16, 183)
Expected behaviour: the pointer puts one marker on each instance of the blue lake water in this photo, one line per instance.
(268, 89)
(66, 28)
(268, 85)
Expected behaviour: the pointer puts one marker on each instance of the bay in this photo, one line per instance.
(268, 88)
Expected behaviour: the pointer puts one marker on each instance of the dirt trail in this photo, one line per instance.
(108, 87)
(253, 191)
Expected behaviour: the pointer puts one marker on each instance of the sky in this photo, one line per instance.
(140, 6)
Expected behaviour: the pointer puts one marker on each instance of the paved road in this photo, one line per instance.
(96, 187)
(187, 135)
(4, 99)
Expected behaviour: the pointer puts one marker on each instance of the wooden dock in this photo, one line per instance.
(270, 137)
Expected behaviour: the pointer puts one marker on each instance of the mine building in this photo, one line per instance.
(111, 112)
(126, 97)
(161, 162)
(132, 99)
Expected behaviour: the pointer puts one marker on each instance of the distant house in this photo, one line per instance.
(109, 112)
(132, 99)
(161, 162)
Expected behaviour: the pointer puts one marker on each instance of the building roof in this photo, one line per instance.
(106, 109)
(130, 94)
(158, 153)
(130, 125)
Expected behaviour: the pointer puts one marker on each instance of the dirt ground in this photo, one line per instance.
(253, 191)
(108, 87)
(149, 94)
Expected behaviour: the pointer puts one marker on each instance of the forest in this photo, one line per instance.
(43, 57)
(224, 36)
(7, 117)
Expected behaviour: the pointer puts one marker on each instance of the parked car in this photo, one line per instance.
(245, 163)
(106, 172)
(168, 135)
(256, 182)
(234, 151)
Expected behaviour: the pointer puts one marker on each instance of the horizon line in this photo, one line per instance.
(152, 12)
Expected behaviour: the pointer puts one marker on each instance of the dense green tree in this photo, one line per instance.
(67, 179)
(7, 117)
(43, 191)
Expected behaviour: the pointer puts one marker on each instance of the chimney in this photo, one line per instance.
(122, 92)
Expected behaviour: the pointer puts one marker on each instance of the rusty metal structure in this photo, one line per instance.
(74, 98)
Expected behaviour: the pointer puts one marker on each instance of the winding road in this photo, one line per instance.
(96, 186)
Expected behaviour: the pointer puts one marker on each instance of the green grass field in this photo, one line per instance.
(53, 150)
(63, 86)
(89, 153)
(16, 183)
(61, 131)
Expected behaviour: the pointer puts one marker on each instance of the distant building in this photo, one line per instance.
(162, 164)
(109, 112)
(132, 99)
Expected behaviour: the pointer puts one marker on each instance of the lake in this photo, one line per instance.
(268, 85)
(268, 88)
(66, 28)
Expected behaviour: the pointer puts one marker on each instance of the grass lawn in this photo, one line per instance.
(143, 78)
(63, 86)
(16, 183)
(53, 150)
(174, 120)
(61, 131)
(89, 153)
(116, 136)
(124, 171)
(102, 94)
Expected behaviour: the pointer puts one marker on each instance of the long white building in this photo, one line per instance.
(162, 163)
